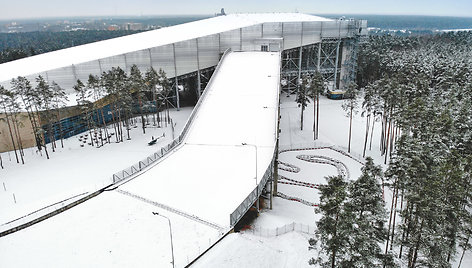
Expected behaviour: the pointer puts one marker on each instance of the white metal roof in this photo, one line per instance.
(140, 41)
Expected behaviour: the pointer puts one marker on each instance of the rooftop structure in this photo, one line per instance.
(181, 49)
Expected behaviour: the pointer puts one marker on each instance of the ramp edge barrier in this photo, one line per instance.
(155, 157)
(50, 214)
(239, 212)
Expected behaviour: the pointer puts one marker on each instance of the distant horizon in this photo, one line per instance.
(211, 15)
(33, 9)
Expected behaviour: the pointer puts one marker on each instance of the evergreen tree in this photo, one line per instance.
(303, 96)
(93, 83)
(136, 83)
(83, 96)
(165, 91)
(333, 228)
(365, 209)
(58, 102)
(350, 105)
(151, 79)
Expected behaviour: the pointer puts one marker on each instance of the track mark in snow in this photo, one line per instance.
(292, 198)
(320, 159)
(173, 210)
(298, 183)
(288, 167)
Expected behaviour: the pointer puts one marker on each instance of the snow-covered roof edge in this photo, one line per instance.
(144, 40)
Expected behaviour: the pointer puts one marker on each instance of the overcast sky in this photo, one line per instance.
(14, 9)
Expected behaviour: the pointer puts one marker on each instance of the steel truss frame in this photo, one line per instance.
(325, 57)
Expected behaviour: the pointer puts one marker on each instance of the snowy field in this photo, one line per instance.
(74, 170)
(248, 249)
(117, 229)
(110, 230)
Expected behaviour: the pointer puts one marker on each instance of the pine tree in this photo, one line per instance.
(83, 95)
(303, 97)
(365, 210)
(165, 90)
(350, 105)
(333, 228)
(58, 102)
(151, 81)
(5, 104)
(45, 104)
(93, 83)
(136, 83)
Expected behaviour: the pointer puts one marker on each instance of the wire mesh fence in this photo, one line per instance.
(291, 227)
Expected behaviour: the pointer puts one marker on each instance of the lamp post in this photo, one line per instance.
(170, 232)
(255, 148)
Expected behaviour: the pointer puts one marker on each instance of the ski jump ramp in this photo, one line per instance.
(203, 187)
(229, 145)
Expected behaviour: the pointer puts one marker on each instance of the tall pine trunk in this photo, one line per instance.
(18, 138)
(301, 118)
(350, 130)
(141, 112)
(367, 126)
(12, 139)
(314, 118)
(372, 132)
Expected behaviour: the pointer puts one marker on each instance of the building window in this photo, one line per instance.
(264, 48)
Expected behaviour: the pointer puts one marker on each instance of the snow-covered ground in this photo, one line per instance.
(246, 249)
(110, 230)
(74, 170)
(117, 229)
(291, 249)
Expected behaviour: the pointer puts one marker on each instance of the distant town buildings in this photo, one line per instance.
(70, 25)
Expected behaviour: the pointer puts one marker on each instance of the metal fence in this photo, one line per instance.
(151, 159)
(291, 227)
(252, 197)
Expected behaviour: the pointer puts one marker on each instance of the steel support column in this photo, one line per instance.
(176, 80)
(300, 60)
(199, 89)
(74, 71)
(100, 66)
(336, 66)
(126, 63)
(241, 39)
(150, 57)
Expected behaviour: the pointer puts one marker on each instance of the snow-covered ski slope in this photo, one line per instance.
(215, 169)
(197, 186)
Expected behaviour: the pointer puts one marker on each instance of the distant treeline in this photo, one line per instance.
(15, 46)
